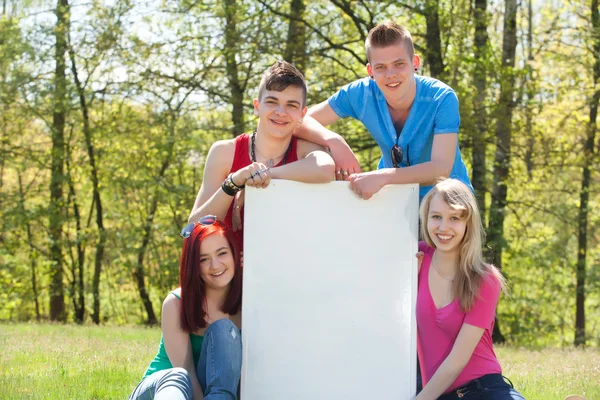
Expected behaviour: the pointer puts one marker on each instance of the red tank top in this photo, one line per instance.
(241, 159)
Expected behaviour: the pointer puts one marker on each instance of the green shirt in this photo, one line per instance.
(161, 361)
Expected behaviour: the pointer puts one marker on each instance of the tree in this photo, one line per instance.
(589, 160)
(56, 207)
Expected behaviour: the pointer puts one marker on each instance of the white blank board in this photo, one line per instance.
(329, 293)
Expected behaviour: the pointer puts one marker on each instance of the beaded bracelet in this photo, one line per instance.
(229, 186)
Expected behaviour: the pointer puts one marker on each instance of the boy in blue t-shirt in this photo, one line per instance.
(413, 119)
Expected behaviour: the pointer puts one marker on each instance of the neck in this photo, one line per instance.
(446, 262)
(216, 297)
(270, 147)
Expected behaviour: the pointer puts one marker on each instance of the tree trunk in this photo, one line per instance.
(588, 160)
(57, 301)
(139, 273)
(32, 251)
(295, 50)
(235, 87)
(434, 40)
(77, 284)
(530, 93)
(100, 244)
(479, 148)
(503, 139)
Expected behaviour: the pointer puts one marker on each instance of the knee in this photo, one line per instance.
(179, 377)
(224, 328)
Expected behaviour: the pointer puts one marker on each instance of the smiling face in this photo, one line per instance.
(446, 225)
(217, 264)
(280, 112)
(392, 68)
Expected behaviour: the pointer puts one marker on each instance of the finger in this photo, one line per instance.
(338, 175)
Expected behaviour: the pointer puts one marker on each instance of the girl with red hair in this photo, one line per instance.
(200, 351)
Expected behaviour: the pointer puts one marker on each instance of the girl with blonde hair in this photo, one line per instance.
(456, 301)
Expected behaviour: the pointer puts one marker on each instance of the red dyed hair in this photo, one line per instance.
(193, 294)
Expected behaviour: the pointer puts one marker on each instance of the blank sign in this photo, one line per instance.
(329, 293)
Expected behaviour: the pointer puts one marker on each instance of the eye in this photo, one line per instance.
(455, 218)
(224, 252)
(379, 67)
(294, 106)
(203, 260)
(399, 64)
(436, 217)
(271, 102)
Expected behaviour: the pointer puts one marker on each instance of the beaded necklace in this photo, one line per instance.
(270, 161)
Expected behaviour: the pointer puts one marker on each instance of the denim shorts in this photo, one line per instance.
(487, 387)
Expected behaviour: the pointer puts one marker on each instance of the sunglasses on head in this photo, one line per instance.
(398, 156)
(204, 221)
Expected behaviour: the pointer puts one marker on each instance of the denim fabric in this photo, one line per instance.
(220, 365)
(168, 384)
(488, 387)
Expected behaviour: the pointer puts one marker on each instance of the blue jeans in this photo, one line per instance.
(487, 387)
(218, 371)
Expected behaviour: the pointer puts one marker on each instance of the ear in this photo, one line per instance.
(304, 111)
(370, 70)
(256, 103)
(416, 61)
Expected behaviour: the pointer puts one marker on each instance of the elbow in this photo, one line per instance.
(326, 171)
(443, 170)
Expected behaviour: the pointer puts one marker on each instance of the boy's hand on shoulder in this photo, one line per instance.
(366, 184)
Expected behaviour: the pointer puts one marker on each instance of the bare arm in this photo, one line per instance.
(443, 152)
(452, 366)
(313, 166)
(313, 130)
(442, 159)
(177, 342)
(211, 198)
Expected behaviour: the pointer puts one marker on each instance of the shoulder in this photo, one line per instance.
(434, 88)
(172, 302)
(359, 86)
(221, 154)
(491, 283)
(223, 147)
(305, 148)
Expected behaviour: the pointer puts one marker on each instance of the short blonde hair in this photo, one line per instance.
(388, 34)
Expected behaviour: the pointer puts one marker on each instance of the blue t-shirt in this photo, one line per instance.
(434, 111)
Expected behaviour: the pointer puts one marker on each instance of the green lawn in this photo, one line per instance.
(43, 361)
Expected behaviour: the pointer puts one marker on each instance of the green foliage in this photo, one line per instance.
(159, 93)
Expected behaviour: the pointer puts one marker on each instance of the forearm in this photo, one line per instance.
(441, 380)
(196, 388)
(312, 131)
(317, 167)
(425, 174)
(217, 205)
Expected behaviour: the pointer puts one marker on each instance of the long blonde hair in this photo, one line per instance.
(472, 267)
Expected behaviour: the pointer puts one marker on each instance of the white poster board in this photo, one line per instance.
(329, 293)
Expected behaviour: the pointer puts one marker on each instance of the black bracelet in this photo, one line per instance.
(229, 187)
(230, 178)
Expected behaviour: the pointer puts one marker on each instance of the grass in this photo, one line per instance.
(44, 361)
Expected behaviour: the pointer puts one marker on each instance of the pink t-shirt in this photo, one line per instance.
(437, 329)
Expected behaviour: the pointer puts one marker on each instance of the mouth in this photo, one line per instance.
(218, 273)
(444, 238)
(279, 123)
(393, 85)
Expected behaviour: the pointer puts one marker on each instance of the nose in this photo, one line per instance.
(443, 224)
(280, 110)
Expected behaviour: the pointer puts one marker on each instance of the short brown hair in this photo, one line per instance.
(388, 34)
(281, 75)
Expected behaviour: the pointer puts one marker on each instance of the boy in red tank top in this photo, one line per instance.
(270, 152)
